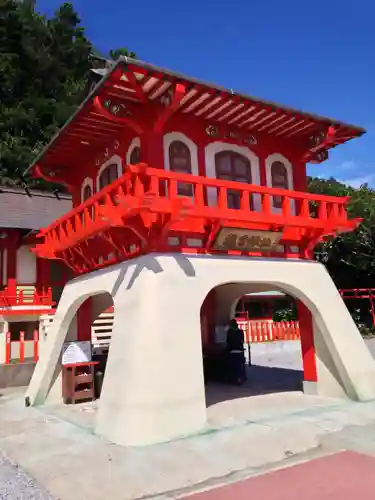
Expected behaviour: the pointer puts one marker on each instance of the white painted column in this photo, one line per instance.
(153, 388)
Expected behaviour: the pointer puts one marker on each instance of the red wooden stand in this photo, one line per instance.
(78, 382)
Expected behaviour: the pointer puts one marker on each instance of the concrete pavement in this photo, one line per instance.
(244, 437)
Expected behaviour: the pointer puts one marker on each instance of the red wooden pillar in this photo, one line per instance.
(307, 343)
(152, 151)
(22, 347)
(262, 169)
(84, 321)
(36, 345)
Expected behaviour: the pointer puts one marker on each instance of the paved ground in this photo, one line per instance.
(16, 484)
(340, 476)
(245, 437)
(283, 429)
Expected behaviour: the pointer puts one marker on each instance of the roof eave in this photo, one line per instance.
(357, 131)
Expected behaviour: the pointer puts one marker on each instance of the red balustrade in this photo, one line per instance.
(25, 299)
(145, 202)
(270, 331)
(25, 349)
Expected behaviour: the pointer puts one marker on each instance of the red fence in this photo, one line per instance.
(20, 350)
(269, 331)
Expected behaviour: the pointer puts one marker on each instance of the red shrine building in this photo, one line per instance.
(29, 285)
(187, 196)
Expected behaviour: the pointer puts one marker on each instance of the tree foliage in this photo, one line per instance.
(44, 66)
(43, 69)
(350, 257)
(115, 54)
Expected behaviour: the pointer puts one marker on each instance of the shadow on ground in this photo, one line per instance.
(260, 380)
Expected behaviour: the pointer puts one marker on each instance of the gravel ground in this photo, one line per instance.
(15, 484)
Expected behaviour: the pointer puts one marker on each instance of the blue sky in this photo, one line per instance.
(317, 56)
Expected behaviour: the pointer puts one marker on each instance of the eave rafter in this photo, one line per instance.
(129, 75)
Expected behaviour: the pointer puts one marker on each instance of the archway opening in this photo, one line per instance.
(272, 351)
(90, 329)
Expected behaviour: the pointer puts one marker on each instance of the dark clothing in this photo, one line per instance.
(236, 358)
(236, 367)
(235, 339)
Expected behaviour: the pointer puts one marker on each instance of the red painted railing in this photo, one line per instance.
(360, 293)
(269, 331)
(27, 349)
(21, 298)
(153, 194)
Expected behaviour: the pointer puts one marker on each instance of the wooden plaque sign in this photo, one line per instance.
(246, 240)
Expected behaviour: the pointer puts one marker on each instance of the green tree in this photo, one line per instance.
(115, 54)
(350, 257)
(43, 71)
(44, 68)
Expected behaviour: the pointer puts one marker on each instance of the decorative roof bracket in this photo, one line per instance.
(127, 121)
(38, 172)
(319, 145)
(171, 102)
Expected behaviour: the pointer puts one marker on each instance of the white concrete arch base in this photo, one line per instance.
(153, 389)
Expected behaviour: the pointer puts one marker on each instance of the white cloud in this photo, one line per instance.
(348, 172)
(357, 182)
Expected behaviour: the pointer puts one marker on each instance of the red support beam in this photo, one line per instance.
(8, 348)
(307, 343)
(170, 108)
(84, 321)
(36, 345)
(22, 347)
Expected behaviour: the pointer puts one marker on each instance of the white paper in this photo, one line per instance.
(76, 352)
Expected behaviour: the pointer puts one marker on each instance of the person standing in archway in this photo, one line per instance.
(236, 357)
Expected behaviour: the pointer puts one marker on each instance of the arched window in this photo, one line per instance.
(279, 179)
(135, 156)
(180, 161)
(87, 193)
(232, 166)
(108, 175)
